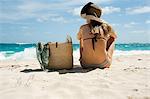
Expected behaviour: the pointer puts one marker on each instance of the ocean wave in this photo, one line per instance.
(27, 54)
(132, 52)
(2, 56)
(22, 43)
(30, 53)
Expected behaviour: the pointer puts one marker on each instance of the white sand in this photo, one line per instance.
(128, 78)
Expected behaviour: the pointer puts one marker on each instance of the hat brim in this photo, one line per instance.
(91, 17)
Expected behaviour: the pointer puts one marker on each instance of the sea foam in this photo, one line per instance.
(27, 54)
(30, 53)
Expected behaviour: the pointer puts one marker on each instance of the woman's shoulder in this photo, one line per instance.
(84, 26)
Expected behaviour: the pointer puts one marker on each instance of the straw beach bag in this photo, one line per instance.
(55, 55)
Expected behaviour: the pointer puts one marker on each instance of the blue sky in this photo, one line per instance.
(30, 21)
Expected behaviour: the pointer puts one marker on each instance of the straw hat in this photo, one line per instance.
(91, 11)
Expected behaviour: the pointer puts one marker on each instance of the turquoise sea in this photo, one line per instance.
(27, 51)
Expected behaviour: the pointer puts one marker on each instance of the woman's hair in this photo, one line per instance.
(94, 24)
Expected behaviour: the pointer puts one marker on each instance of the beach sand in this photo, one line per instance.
(127, 78)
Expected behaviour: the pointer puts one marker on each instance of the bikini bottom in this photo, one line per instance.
(104, 64)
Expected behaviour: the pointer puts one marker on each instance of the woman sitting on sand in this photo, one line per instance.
(96, 39)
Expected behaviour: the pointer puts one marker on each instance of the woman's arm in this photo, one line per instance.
(111, 49)
(79, 36)
(109, 42)
(112, 37)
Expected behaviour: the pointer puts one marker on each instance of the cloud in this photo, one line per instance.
(31, 6)
(115, 24)
(147, 21)
(139, 31)
(83, 2)
(59, 19)
(109, 10)
(45, 17)
(106, 10)
(138, 10)
(76, 11)
(24, 27)
(130, 25)
(38, 11)
(43, 11)
(54, 19)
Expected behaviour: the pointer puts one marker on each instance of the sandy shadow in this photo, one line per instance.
(31, 70)
(76, 69)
